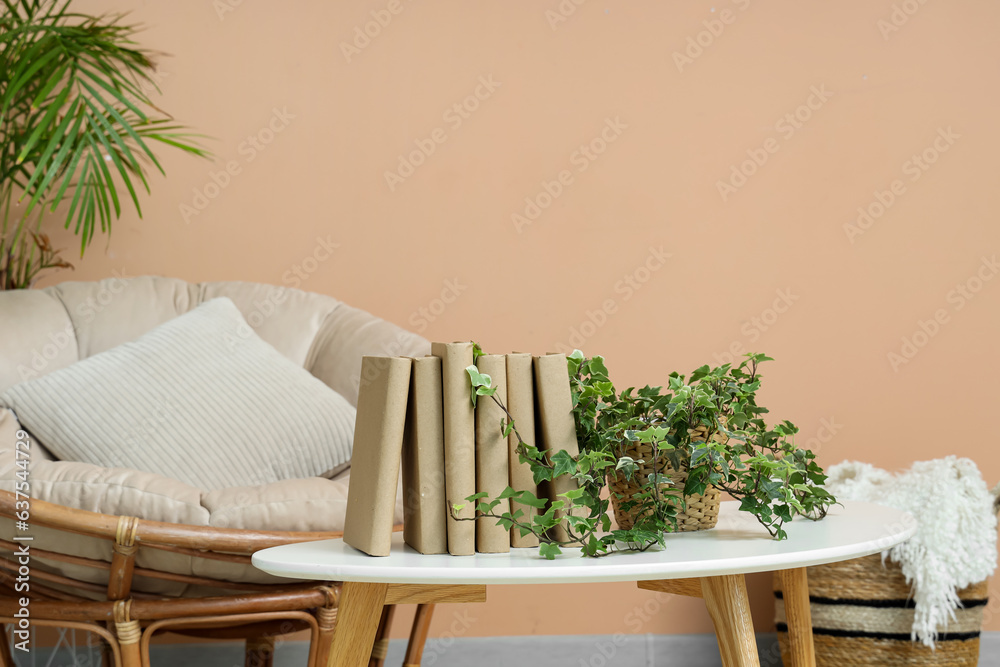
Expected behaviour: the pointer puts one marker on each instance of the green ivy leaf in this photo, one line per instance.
(549, 550)
(563, 464)
(783, 512)
(478, 380)
(541, 474)
(528, 498)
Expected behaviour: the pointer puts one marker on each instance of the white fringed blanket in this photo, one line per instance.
(956, 541)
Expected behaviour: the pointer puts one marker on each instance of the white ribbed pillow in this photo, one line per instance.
(201, 399)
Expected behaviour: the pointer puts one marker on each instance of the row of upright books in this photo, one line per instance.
(417, 414)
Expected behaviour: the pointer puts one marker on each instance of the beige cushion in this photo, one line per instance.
(36, 336)
(9, 428)
(313, 504)
(299, 505)
(117, 491)
(200, 399)
(105, 490)
(42, 331)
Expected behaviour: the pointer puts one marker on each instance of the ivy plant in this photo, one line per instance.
(757, 464)
(582, 511)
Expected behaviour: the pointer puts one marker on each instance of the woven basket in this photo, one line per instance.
(862, 614)
(700, 512)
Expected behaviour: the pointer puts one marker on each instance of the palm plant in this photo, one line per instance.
(76, 124)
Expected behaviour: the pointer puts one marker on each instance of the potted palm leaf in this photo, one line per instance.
(77, 126)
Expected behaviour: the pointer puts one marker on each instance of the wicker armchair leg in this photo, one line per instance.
(123, 554)
(6, 659)
(418, 635)
(129, 633)
(326, 619)
(107, 655)
(381, 646)
(259, 652)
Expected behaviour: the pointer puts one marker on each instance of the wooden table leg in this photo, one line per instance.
(729, 607)
(795, 592)
(357, 622)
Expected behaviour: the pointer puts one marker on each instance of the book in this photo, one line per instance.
(459, 443)
(492, 454)
(556, 423)
(521, 405)
(424, 505)
(378, 445)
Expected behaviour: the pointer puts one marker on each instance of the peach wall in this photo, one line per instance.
(770, 263)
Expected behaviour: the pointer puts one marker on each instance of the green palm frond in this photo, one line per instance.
(76, 122)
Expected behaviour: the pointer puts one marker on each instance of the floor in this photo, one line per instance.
(584, 651)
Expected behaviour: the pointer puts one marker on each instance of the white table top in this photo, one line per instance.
(737, 545)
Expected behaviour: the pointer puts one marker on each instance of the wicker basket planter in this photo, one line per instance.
(700, 512)
(862, 613)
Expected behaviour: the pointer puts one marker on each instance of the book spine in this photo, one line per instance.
(558, 428)
(424, 506)
(521, 405)
(459, 443)
(375, 463)
(491, 455)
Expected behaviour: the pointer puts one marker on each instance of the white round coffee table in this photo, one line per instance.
(708, 564)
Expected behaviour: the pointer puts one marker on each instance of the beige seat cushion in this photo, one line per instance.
(42, 331)
(295, 504)
(201, 399)
(312, 504)
(299, 505)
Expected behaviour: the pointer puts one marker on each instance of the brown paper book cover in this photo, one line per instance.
(424, 506)
(459, 443)
(555, 414)
(491, 455)
(378, 445)
(521, 405)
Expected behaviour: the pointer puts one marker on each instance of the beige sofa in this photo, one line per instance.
(45, 330)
